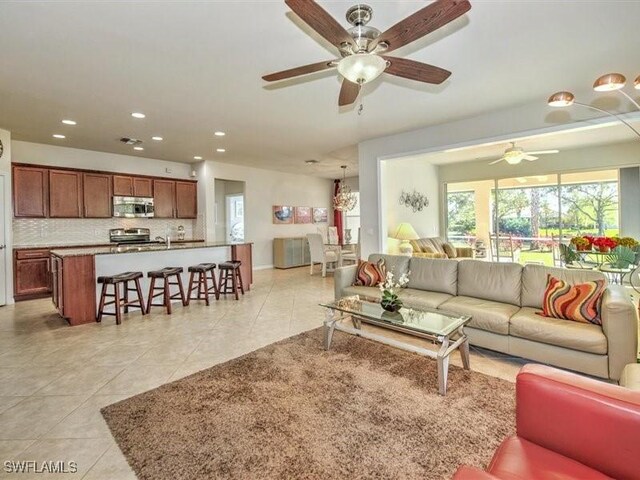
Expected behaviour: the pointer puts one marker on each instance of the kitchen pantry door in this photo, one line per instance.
(3, 247)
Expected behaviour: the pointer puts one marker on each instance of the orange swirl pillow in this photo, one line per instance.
(580, 302)
(370, 274)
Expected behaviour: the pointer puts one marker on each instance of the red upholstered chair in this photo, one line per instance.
(568, 427)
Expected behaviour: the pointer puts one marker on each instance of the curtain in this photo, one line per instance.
(337, 214)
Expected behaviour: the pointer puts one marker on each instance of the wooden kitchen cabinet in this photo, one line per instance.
(186, 200)
(126, 186)
(30, 197)
(164, 194)
(97, 195)
(74, 290)
(32, 274)
(65, 194)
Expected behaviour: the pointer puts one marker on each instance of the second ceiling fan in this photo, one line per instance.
(363, 48)
(514, 155)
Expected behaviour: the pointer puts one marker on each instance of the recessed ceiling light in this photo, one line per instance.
(57, 135)
(69, 122)
(138, 148)
(219, 134)
(138, 115)
(197, 157)
(157, 139)
(220, 150)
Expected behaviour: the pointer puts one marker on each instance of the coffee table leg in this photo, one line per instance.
(443, 366)
(464, 349)
(329, 327)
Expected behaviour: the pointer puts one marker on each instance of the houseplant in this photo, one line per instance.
(604, 244)
(581, 243)
(389, 288)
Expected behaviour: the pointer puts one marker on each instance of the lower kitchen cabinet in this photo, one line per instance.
(74, 290)
(32, 274)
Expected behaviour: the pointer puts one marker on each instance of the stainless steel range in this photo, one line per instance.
(131, 236)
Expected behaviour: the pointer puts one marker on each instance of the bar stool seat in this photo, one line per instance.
(200, 277)
(168, 276)
(118, 302)
(230, 278)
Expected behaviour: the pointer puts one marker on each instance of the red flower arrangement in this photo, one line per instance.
(605, 244)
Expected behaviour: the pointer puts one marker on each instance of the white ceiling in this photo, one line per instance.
(195, 67)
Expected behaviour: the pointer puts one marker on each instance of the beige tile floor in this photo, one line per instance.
(54, 378)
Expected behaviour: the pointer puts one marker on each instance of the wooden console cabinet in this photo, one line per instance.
(291, 252)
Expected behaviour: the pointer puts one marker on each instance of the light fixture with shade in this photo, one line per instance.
(362, 68)
(345, 200)
(405, 233)
(610, 82)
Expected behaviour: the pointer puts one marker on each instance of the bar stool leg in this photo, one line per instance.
(235, 284)
(116, 289)
(125, 286)
(182, 296)
(216, 292)
(140, 296)
(102, 299)
(240, 280)
(203, 282)
(190, 289)
(167, 295)
(152, 288)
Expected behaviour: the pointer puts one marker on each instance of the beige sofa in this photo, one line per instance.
(434, 247)
(503, 299)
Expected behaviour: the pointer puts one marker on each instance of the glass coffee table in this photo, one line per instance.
(446, 329)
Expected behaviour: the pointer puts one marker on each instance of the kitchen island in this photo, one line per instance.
(76, 293)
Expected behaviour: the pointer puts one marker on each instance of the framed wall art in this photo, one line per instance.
(282, 214)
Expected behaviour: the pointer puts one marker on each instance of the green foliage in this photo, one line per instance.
(520, 227)
(621, 257)
(461, 212)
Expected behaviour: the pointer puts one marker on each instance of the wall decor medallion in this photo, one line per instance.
(414, 200)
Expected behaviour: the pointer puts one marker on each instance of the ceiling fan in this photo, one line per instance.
(514, 155)
(363, 48)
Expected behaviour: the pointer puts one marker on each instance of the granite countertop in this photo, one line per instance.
(19, 246)
(78, 252)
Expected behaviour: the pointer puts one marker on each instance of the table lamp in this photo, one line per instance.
(404, 233)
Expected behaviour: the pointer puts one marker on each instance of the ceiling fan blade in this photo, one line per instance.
(496, 161)
(296, 72)
(318, 19)
(348, 93)
(543, 152)
(531, 158)
(421, 23)
(422, 72)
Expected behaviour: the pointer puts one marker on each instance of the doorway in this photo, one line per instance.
(229, 210)
(3, 246)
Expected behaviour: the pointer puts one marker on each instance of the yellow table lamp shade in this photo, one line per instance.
(404, 233)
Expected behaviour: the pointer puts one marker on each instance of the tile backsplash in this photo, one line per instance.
(72, 231)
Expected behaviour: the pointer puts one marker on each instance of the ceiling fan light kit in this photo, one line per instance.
(361, 45)
(513, 155)
(609, 82)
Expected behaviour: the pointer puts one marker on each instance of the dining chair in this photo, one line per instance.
(320, 254)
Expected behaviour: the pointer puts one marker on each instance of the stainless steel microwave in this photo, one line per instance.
(133, 207)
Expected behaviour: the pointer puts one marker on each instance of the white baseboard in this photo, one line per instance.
(262, 267)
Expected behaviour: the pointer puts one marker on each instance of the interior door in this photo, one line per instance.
(3, 247)
(235, 218)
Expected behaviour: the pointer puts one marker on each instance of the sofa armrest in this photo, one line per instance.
(343, 277)
(620, 326)
(465, 252)
(429, 255)
(472, 473)
(587, 420)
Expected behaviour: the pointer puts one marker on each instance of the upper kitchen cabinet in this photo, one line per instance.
(30, 191)
(65, 194)
(97, 195)
(164, 194)
(186, 200)
(126, 186)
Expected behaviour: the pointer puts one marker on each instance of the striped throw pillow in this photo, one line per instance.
(370, 274)
(580, 302)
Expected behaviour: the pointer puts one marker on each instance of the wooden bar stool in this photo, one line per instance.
(116, 280)
(206, 273)
(169, 276)
(230, 278)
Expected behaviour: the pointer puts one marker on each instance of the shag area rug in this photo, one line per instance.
(292, 410)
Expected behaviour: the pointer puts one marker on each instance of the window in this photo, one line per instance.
(352, 222)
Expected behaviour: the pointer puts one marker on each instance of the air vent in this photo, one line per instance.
(130, 141)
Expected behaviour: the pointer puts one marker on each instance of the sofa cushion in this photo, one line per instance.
(450, 250)
(579, 303)
(413, 298)
(486, 314)
(372, 293)
(398, 264)
(585, 337)
(422, 245)
(534, 281)
(500, 282)
(435, 275)
(370, 274)
(517, 458)
(438, 244)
